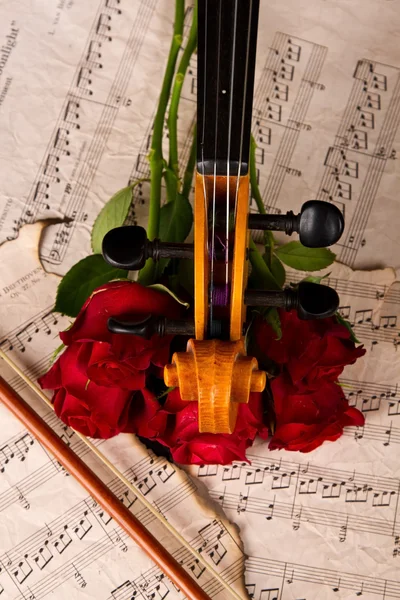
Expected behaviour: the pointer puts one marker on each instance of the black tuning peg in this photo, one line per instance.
(149, 326)
(128, 248)
(311, 300)
(319, 223)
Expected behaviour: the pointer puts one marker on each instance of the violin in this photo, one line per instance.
(215, 371)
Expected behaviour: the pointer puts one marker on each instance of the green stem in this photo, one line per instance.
(260, 270)
(255, 190)
(156, 159)
(176, 94)
(188, 176)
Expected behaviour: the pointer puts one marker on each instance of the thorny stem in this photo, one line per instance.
(146, 275)
(176, 97)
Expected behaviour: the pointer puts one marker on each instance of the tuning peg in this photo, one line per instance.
(128, 248)
(319, 223)
(149, 326)
(311, 300)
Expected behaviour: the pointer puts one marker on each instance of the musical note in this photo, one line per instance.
(270, 510)
(217, 553)
(82, 528)
(84, 81)
(124, 591)
(103, 27)
(231, 473)
(297, 521)
(255, 476)
(166, 472)
(62, 541)
(51, 170)
(114, 5)
(388, 433)
(127, 498)
(71, 115)
(22, 499)
(6, 454)
(269, 594)
(43, 556)
(23, 571)
(282, 481)
(309, 486)
(61, 141)
(23, 445)
(343, 531)
(79, 578)
(147, 483)
(242, 504)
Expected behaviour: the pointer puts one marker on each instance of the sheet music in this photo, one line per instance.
(78, 91)
(54, 538)
(326, 524)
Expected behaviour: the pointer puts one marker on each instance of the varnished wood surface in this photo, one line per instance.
(219, 376)
(99, 492)
(201, 268)
(240, 261)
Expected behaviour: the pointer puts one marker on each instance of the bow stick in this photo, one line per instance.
(99, 492)
(135, 489)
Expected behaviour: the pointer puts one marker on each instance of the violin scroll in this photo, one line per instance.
(219, 375)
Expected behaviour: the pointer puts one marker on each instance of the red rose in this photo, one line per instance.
(113, 300)
(188, 446)
(96, 374)
(306, 418)
(312, 352)
(96, 411)
(118, 360)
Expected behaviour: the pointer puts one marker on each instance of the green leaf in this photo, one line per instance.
(113, 214)
(271, 316)
(186, 275)
(176, 219)
(278, 271)
(81, 280)
(346, 324)
(167, 391)
(162, 288)
(297, 256)
(315, 278)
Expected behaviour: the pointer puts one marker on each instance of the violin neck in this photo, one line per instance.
(227, 39)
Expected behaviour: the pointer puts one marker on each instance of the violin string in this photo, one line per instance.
(131, 486)
(244, 102)
(228, 187)
(203, 133)
(215, 166)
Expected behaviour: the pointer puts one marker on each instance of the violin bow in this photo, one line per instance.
(215, 371)
(12, 401)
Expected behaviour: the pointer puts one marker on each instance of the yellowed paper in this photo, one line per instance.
(78, 92)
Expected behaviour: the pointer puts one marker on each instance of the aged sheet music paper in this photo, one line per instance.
(55, 539)
(78, 90)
